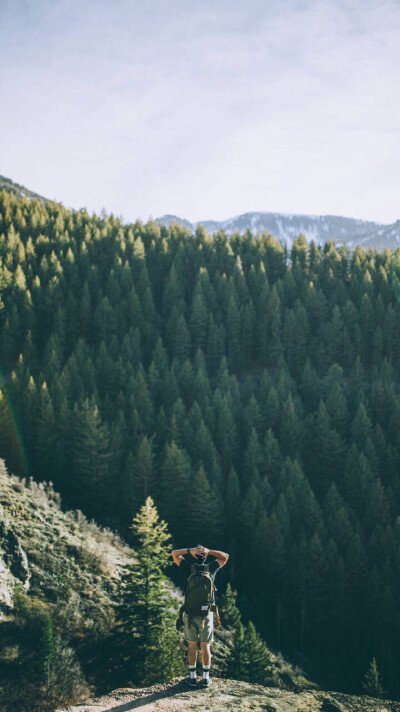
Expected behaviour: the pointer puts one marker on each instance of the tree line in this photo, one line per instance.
(251, 391)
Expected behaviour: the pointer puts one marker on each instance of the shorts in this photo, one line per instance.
(199, 629)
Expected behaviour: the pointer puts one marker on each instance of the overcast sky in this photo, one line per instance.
(204, 108)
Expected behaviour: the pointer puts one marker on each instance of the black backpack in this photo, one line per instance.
(199, 594)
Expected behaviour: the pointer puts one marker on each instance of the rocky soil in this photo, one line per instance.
(230, 696)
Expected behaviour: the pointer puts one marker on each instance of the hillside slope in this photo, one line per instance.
(59, 573)
(230, 696)
(19, 190)
(54, 555)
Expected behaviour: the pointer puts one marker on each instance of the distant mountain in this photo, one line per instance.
(286, 228)
(283, 227)
(19, 190)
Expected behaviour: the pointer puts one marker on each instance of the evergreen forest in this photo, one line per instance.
(252, 392)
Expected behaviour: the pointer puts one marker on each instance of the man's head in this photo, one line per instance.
(199, 552)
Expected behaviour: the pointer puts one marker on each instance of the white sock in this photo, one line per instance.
(206, 672)
(192, 672)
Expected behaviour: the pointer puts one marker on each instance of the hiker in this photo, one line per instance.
(198, 625)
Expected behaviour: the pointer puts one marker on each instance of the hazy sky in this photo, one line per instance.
(204, 108)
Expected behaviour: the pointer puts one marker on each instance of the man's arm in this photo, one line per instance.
(220, 556)
(178, 555)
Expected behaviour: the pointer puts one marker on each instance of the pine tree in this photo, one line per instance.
(337, 407)
(291, 427)
(148, 652)
(180, 339)
(205, 511)
(232, 505)
(252, 460)
(230, 614)
(310, 387)
(44, 445)
(186, 383)
(326, 451)
(274, 348)
(11, 444)
(47, 652)
(248, 658)
(174, 485)
(249, 515)
(214, 349)
(299, 253)
(257, 656)
(199, 315)
(272, 459)
(225, 435)
(143, 471)
(233, 335)
(236, 663)
(91, 458)
(372, 683)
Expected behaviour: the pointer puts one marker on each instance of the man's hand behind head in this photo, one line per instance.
(200, 551)
(203, 549)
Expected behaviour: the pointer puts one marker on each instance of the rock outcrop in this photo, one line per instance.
(230, 696)
(14, 568)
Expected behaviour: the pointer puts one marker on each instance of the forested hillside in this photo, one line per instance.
(253, 394)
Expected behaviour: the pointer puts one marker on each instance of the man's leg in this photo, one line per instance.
(191, 635)
(206, 654)
(192, 658)
(206, 659)
(206, 638)
(192, 653)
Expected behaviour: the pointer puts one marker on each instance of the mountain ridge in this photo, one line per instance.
(286, 227)
(19, 190)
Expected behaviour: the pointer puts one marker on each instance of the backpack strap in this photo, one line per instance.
(194, 568)
(179, 620)
(214, 608)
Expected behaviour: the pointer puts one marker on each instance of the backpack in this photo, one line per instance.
(199, 593)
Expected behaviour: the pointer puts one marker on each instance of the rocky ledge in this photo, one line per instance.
(230, 696)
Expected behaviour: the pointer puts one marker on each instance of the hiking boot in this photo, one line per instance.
(191, 681)
(206, 682)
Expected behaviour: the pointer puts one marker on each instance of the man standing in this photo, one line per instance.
(199, 628)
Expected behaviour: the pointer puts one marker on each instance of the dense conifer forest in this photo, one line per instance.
(252, 393)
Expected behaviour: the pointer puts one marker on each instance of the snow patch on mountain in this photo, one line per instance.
(286, 227)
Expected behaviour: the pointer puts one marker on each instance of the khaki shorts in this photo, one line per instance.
(199, 629)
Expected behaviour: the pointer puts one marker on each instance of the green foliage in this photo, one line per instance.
(47, 664)
(259, 666)
(145, 637)
(47, 651)
(249, 658)
(230, 614)
(372, 683)
(236, 663)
